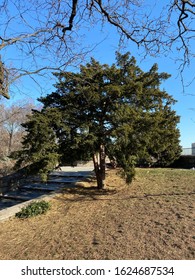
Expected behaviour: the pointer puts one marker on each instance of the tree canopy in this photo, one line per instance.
(118, 110)
(46, 35)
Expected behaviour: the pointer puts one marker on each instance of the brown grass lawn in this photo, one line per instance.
(153, 218)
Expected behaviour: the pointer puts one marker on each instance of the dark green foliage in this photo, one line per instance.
(40, 144)
(116, 110)
(34, 209)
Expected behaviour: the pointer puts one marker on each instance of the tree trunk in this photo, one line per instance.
(102, 162)
(10, 143)
(100, 167)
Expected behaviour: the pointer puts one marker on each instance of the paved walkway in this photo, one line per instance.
(14, 200)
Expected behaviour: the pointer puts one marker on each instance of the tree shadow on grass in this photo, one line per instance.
(82, 193)
(92, 193)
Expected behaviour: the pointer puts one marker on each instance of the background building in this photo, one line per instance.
(193, 149)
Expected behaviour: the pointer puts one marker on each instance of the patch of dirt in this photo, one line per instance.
(153, 218)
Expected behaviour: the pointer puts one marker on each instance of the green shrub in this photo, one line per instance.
(33, 209)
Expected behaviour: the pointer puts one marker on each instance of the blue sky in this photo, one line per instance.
(107, 44)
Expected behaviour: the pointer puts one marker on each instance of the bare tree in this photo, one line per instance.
(48, 35)
(11, 131)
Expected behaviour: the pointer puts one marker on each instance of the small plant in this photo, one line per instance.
(33, 209)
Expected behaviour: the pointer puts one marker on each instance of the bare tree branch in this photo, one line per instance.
(112, 21)
(48, 35)
(72, 16)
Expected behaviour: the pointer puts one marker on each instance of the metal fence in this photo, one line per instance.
(188, 151)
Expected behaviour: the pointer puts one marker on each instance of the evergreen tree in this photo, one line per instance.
(116, 110)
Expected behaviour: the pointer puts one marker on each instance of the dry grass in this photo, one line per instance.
(153, 218)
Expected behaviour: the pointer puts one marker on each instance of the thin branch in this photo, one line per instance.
(116, 24)
(11, 41)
